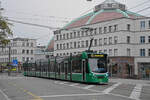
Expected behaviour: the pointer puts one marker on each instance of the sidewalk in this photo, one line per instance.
(130, 81)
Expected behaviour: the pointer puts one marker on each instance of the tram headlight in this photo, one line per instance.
(106, 74)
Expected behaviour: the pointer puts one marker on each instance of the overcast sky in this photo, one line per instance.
(52, 13)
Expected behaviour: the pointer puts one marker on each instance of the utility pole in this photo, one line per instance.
(9, 56)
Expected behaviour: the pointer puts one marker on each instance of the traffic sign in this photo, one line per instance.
(15, 62)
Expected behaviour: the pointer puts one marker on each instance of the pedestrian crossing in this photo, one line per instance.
(130, 91)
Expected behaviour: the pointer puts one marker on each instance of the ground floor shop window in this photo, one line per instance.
(145, 71)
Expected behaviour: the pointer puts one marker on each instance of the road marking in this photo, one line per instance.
(136, 92)
(63, 82)
(70, 95)
(6, 97)
(35, 97)
(29, 93)
(106, 91)
(89, 86)
(56, 82)
(74, 84)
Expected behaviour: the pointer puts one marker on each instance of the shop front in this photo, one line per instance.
(122, 67)
(144, 70)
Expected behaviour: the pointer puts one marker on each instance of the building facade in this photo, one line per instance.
(41, 53)
(21, 49)
(123, 35)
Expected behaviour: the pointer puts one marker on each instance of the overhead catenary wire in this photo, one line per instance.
(47, 16)
(36, 19)
(32, 24)
(139, 4)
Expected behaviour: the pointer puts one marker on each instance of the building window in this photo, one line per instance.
(57, 46)
(110, 28)
(82, 33)
(63, 36)
(142, 24)
(148, 39)
(74, 44)
(86, 32)
(95, 42)
(128, 52)
(67, 35)
(27, 51)
(27, 44)
(79, 44)
(67, 45)
(95, 31)
(31, 44)
(128, 27)
(57, 37)
(100, 30)
(148, 52)
(23, 51)
(142, 39)
(23, 44)
(74, 34)
(71, 35)
(110, 52)
(31, 51)
(115, 40)
(142, 52)
(60, 37)
(27, 59)
(64, 46)
(31, 58)
(60, 46)
(105, 41)
(105, 29)
(110, 40)
(82, 43)
(70, 44)
(128, 39)
(87, 43)
(115, 28)
(100, 42)
(115, 52)
(78, 33)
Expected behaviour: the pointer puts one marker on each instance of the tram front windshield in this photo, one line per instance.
(97, 65)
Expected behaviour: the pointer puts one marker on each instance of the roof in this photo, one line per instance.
(100, 16)
(103, 12)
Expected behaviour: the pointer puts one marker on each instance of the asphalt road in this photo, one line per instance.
(30, 88)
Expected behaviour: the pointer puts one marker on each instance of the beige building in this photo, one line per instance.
(122, 34)
(22, 49)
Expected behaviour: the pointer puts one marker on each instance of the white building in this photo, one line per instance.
(123, 35)
(22, 49)
(45, 52)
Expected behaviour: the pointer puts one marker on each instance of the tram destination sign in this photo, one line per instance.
(96, 56)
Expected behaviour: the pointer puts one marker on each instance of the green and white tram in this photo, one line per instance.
(87, 67)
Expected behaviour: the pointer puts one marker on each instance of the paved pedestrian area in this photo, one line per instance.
(30, 88)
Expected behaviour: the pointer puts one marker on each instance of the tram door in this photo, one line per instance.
(66, 69)
(83, 70)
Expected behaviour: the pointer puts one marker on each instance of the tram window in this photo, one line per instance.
(62, 67)
(52, 66)
(97, 65)
(76, 66)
